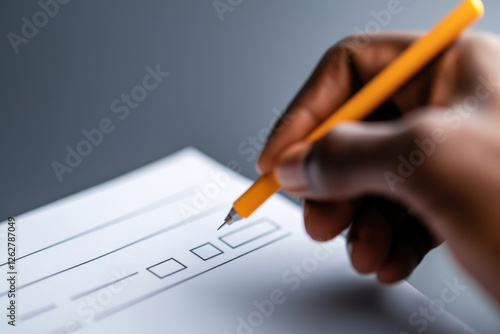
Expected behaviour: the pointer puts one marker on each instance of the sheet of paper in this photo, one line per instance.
(141, 254)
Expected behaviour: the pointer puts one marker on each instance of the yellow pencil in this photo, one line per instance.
(372, 95)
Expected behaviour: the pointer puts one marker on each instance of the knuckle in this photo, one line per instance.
(353, 40)
(475, 46)
(478, 38)
(347, 47)
(334, 53)
(348, 41)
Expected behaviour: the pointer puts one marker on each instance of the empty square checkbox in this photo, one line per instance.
(249, 233)
(206, 251)
(166, 268)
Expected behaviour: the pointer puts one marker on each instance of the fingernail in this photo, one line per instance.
(305, 207)
(349, 248)
(290, 167)
(257, 168)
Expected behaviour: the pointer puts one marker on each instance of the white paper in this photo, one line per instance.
(141, 254)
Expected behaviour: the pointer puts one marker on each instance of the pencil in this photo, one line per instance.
(372, 95)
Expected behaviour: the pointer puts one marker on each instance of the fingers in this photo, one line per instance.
(325, 221)
(410, 243)
(348, 162)
(370, 237)
(386, 240)
(469, 68)
(383, 238)
(341, 72)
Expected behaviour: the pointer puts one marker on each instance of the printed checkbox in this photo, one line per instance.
(166, 268)
(249, 233)
(206, 251)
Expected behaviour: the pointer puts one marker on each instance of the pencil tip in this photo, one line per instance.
(221, 226)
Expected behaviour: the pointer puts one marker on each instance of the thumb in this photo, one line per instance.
(351, 160)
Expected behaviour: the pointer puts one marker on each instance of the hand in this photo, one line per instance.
(402, 186)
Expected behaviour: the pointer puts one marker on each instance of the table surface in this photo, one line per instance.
(231, 71)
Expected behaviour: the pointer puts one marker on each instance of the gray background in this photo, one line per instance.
(226, 77)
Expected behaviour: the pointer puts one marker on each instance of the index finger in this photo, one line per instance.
(340, 73)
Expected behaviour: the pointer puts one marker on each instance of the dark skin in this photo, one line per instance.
(454, 196)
